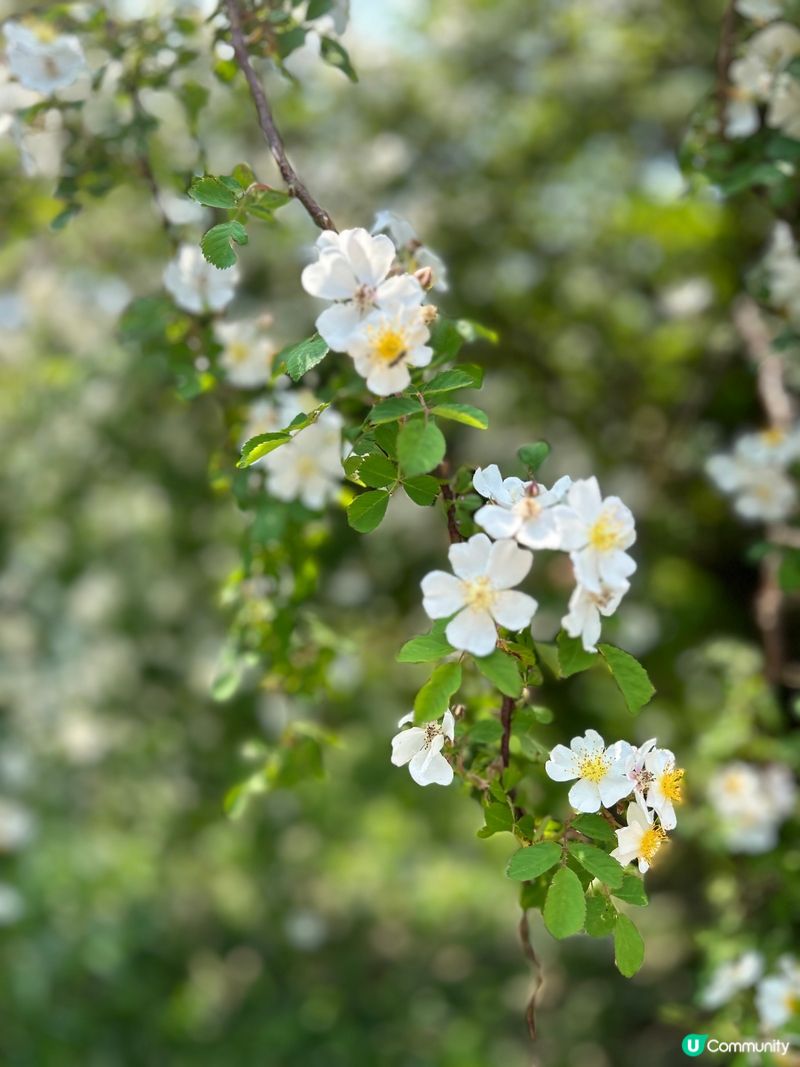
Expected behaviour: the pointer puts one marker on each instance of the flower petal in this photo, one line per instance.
(497, 521)
(472, 630)
(443, 594)
(584, 796)
(407, 744)
(508, 564)
(514, 610)
(470, 558)
(337, 324)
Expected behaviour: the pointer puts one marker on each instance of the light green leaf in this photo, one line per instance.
(502, 671)
(467, 376)
(628, 947)
(420, 447)
(301, 357)
(212, 192)
(597, 863)
(262, 204)
(465, 413)
(396, 407)
(256, 447)
(424, 649)
(571, 655)
(422, 489)
(631, 677)
(499, 819)
(216, 243)
(565, 904)
(632, 890)
(532, 861)
(433, 699)
(473, 331)
(366, 512)
(486, 732)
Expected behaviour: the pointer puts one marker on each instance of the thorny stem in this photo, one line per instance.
(295, 185)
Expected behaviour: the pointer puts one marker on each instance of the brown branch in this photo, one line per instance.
(449, 498)
(294, 184)
(506, 715)
(530, 954)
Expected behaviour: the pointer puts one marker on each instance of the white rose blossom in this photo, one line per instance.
(352, 269)
(596, 532)
(421, 748)
(197, 285)
(522, 510)
(600, 771)
(43, 65)
(309, 467)
(386, 344)
(640, 840)
(480, 594)
(778, 996)
(247, 352)
(762, 490)
(731, 977)
(585, 609)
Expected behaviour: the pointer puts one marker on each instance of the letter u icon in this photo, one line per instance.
(694, 1044)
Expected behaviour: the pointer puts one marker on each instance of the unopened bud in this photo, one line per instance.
(458, 711)
(429, 313)
(424, 276)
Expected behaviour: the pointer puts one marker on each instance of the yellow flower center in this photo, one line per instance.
(792, 1002)
(593, 768)
(529, 507)
(480, 593)
(238, 351)
(306, 466)
(389, 345)
(773, 436)
(671, 782)
(651, 842)
(605, 534)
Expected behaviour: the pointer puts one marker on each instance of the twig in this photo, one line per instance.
(295, 185)
(506, 714)
(450, 508)
(530, 954)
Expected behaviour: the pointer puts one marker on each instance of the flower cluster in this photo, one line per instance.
(759, 77)
(520, 516)
(377, 313)
(777, 995)
(756, 474)
(750, 803)
(605, 775)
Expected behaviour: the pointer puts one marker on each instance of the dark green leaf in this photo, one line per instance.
(467, 376)
(420, 447)
(502, 670)
(422, 489)
(396, 407)
(600, 915)
(301, 357)
(597, 863)
(534, 455)
(571, 655)
(212, 192)
(334, 54)
(216, 243)
(565, 904)
(628, 947)
(499, 819)
(630, 676)
(595, 826)
(632, 890)
(367, 510)
(433, 699)
(532, 861)
(486, 732)
(377, 471)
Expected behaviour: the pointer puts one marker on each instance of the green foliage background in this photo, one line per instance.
(357, 918)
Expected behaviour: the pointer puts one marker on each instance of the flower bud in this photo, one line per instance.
(424, 276)
(429, 313)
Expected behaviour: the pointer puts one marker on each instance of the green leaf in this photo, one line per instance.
(571, 655)
(631, 677)
(262, 204)
(465, 413)
(532, 861)
(433, 699)
(216, 243)
(534, 455)
(502, 671)
(486, 732)
(422, 489)
(301, 357)
(595, 826)
(499, 819)
(424, 649)
(600, 915)
(467, 376)
(258, 446)
(420, 447)
(396, 407)
(377, 471)
(316, 8)
(471, 330)
(337, 56)
(628, 947)
(565, 904)
(290, 40)
(367, 510)
(212, 192)
(597, 862)
(446, 340)
(632, 890)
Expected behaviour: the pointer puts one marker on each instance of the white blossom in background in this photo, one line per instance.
(16, 825)
(586, 607)
(480, 593)
(413, 252)
(750, 803)
(596, 532)
(760, 10)
(731, 977)
(640, 840)
(309, 467)
(784, 106)
(421, 748)
(247, 352)
(197, 285)
(276, 412)
(43, 65)
(386, 344)
(600, 771)
(522, 510)
(755, 77)
(762, 490)
(352, 270)
(782, 267)
(778, 995)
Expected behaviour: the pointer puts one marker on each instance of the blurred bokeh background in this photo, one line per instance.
(357, 919)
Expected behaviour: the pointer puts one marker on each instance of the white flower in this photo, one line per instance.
(782, 267)
(741, 116)
(585, 608)
(762, 492)
(772, 447)
(761, 10)
(247, 353)
(596, 533)
(639, 840)
(664, 785)
(784, 106)
(386, 344)
(421, 748)
(481, 593)
(16, 826)
(778, 996)
(414, 253)
(352, 269)
(600, 771)
(731, 977)
(751, 802)
(309, 467)
(399, 229)
(522, 510)
(634, 767)
(197, 285)
(43, 65)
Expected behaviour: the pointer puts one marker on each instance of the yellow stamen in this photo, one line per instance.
(671, 782)
(605, 534)
(651, 842)
(530, 507)
(238, 351)
(306, 466)
(792, 1002)
(388, 344)
(593, 768)
(773, 436)
(480, 593)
